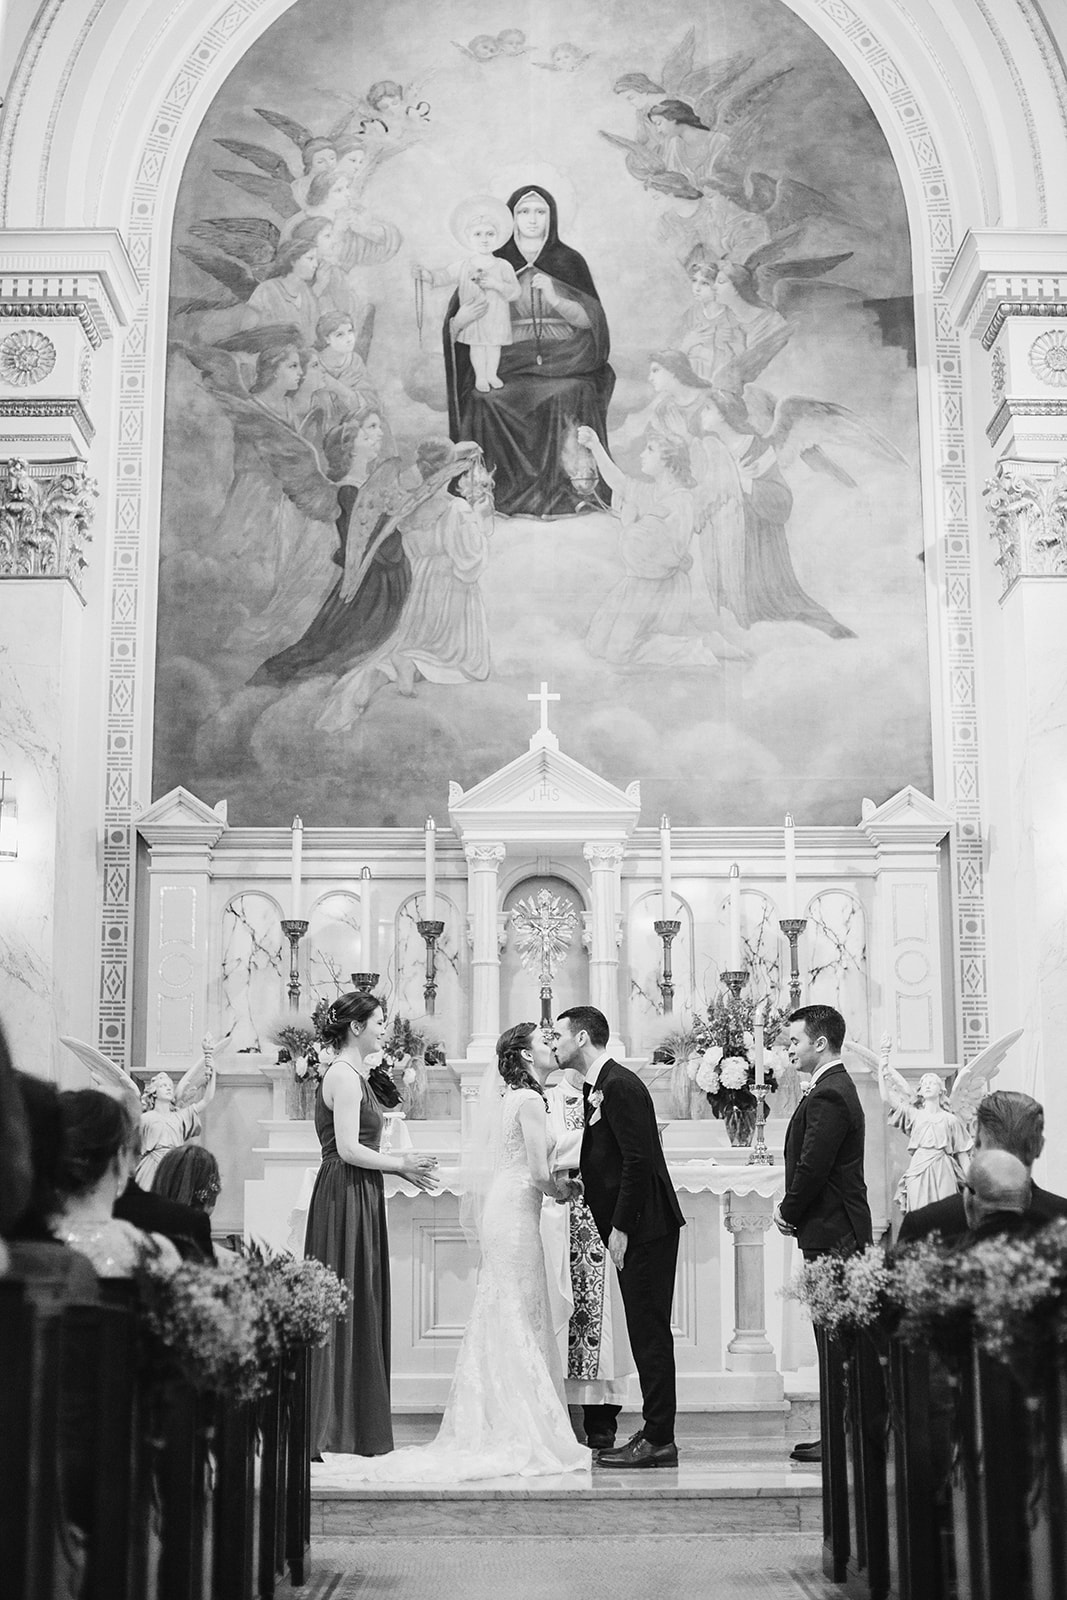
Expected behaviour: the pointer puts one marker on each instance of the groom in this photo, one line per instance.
(637, 1214)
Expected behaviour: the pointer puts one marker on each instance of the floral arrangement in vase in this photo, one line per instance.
(713, 1054)
(406, 1054)
(298, 1041)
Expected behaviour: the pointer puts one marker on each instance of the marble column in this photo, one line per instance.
(604, 861)
(749, 1350)
(483, 866)
(1008, 289)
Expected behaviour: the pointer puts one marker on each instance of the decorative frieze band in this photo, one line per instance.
(61, 407)
(1027, 506)
(41, 309)
(46, 511)
(1012, 407)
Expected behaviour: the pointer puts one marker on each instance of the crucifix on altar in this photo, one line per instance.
(544, 925)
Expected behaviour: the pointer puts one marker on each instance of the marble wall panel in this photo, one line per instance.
(404, 972)
(255, 971)
(332, 948)
(644, 955)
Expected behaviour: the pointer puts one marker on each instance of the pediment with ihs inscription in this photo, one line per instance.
(544, 794)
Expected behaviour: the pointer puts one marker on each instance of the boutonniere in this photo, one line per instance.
(596, 1100)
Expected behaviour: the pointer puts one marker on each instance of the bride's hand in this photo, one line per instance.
(419, 1170)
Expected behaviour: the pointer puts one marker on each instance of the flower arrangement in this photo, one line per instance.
(224, 1328)
(714, 1052)
(844, 1294)
(298, 1040)
(406, 1054)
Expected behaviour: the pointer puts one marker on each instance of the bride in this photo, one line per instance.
(506, 1414)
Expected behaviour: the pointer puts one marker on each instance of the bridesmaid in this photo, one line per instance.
(346, 1230)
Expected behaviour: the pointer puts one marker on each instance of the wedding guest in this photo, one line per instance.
(36, 1252)
(1005, 1120)
(189, 1175)
(97, 1162)
(825, 1202)
(346, 1230)
(996, 1195)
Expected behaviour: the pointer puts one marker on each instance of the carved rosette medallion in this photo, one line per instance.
(1027, 506)
(46, 513)
(1048, 358)
(26, 357)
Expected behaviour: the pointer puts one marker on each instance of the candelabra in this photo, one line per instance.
(668, 932)
(761, 1156)
(734, 981)
(431, 932)
(294, 929)
(365, 981)
(793, 927)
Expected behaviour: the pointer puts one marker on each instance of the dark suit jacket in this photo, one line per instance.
(624, 1172)
(187, 1228)
(825, 1195)
(948, 1217)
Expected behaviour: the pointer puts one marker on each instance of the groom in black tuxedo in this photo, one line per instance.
(636, 1211)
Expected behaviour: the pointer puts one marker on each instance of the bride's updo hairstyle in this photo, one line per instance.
(358, 1006)
(509, 1063)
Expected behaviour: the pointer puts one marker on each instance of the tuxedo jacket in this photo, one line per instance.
(188, 1229)
(948, 1218)
(624, 1171)
(825, 1194)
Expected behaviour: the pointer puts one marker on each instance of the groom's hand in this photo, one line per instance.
(617, 1242)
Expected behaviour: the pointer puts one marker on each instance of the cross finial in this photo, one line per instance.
(543, 697)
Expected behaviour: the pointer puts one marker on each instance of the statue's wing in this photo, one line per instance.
(294, 131)
(268, 161)
(274, 192)
(253, 240)
(192, 1086)
(806, 426)
(861, 1051)
(233, 275)
(973, 1080)
(106, 1075)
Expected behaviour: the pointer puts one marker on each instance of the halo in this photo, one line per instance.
(524, 173)
(481, 205)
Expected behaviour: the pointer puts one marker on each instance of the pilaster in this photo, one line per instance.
(483, 867)
(605, 862)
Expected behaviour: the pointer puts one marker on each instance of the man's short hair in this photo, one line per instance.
(822, 1020)
(593, 1021)
(1014, 1122)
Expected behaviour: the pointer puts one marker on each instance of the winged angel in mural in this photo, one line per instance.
(169, 1115)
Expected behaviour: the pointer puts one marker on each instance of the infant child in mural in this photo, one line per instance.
(482, 223)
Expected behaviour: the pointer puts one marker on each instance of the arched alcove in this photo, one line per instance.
(254, 971)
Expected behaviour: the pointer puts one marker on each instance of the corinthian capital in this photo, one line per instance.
(604, 856)
(484, 855)
(747, 1221)
(1027, 506)
(45, 514)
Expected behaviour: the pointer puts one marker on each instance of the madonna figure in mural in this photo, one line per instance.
(555, 371)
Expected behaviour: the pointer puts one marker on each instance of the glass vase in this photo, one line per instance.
(740, 1124)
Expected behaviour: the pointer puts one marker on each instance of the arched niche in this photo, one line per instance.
(404, 969)
(332, 948)
(834, 960)
(644, 957)
(254, 971)
(520, 993)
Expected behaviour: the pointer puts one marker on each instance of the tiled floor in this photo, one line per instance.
(707, 1566)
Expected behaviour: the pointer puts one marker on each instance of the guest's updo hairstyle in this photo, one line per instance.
(358, 1006)
(98, 1128)
(509, 1063)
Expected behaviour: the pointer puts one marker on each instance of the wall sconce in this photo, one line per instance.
(9, 820)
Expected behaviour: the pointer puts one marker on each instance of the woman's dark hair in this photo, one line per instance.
(340, 441)
(189, 1175)
(509, 1063)
(44, 1121)
(268, 361)
(359, 1006)
(97, 1128)
(678, 112)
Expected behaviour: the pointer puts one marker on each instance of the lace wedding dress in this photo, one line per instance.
(505, 1414)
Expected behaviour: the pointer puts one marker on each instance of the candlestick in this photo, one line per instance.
(735, 918)
(665, 895)
(668, 931)
(365, 981)
(431, 931)
(793, 927)
(295, 862)
(366, 953)
(761, 1156)
(790, 866)
(431, 870)
(734, 979)
(757, 1047)
(294, 929)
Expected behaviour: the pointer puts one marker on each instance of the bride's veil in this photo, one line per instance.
(480, 1152)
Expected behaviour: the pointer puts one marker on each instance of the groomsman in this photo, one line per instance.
(636, 1211)
(825, 1202)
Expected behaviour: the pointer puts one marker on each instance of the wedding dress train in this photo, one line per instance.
(505, 1414)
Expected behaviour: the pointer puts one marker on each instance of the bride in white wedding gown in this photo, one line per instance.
(506, 1415)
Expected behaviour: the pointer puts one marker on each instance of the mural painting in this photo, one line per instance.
(580, 350)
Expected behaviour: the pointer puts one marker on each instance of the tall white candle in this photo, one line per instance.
(757, 1050)
(366, 953)
(430, 912)
(735, 918)
(665, 895)
(295, 862)
(790, 866)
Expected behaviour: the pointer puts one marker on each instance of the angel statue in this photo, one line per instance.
(169, 1115)
(939, 1123)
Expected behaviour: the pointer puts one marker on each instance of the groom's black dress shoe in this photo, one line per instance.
(638, 1452)
(807, 1452)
